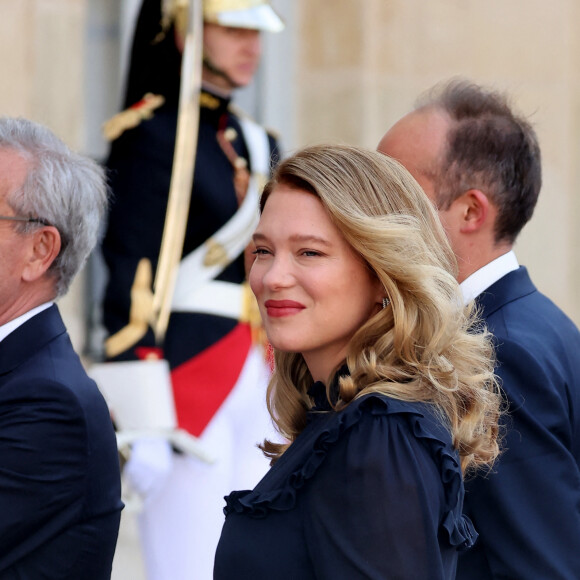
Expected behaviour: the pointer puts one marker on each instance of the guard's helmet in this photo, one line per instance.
(252, 14)
(155, 59)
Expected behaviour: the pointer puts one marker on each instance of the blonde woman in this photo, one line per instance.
(383, 383)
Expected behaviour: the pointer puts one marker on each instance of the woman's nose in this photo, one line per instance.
(279, 273)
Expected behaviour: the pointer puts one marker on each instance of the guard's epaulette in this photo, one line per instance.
(131, 117)
(239, 112)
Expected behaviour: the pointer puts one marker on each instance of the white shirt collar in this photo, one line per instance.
(11, 326)
(481, 280)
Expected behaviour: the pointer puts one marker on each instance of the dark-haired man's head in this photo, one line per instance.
(477, 160)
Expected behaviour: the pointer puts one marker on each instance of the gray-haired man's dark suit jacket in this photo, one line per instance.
(59, 472)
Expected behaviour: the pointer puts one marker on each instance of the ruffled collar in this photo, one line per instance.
(317, 392)
(279, 488)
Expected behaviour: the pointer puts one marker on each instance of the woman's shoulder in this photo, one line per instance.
(423, 420)
(374, 421)
(375, 417)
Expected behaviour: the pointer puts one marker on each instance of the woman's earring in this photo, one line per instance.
(386, 302)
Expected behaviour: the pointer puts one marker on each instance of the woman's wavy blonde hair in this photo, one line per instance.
(425, 346)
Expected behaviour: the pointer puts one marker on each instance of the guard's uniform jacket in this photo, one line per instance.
(139, 167)
(219, 374)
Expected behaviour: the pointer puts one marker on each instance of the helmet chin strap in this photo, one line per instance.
(214, 69)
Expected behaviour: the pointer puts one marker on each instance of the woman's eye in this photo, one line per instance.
(260, 251)
(310, 253)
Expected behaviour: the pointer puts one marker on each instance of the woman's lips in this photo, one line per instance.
(278, 308)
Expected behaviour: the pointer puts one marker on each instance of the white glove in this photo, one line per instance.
(149, 466)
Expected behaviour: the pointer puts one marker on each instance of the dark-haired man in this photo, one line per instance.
(480, 164)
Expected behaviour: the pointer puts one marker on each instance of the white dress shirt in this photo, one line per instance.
(483, 278)
(9, 327)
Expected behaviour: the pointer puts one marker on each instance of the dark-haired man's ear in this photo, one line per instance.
(475, 211)
(45, 247)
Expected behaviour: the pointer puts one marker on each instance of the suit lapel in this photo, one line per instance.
(27, 339)
(511, 287)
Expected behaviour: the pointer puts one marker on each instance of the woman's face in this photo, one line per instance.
(313, 290)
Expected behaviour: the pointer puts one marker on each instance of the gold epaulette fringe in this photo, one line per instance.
(131, 117)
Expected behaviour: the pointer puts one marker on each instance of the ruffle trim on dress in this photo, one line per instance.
(458, 527)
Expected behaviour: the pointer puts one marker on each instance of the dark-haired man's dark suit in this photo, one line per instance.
(528, 511)
(59, 473)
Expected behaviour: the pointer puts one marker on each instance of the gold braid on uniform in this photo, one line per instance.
(225, 136)
(250, 311)
(140, 314)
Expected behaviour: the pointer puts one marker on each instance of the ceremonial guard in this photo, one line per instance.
(212, 340)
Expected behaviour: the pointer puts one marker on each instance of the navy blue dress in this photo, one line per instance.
(373, 491)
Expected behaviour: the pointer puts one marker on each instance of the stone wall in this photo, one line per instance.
(42, 78)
